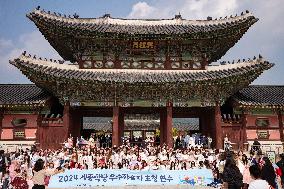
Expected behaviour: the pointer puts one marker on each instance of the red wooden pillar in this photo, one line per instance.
(243, 130)
(203, 123)
(115, 126)
(66, 122)
(1, 120)
(280, 121)
(121, 125)
(38, 130)
(81, 62)
(75, 131)
(207, 123)
(218, 129)
(169, 126)
(162, 126)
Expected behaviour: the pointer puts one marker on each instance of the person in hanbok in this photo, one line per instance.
(12, 169)
(209, 141)
(191, 141)
(227, 144)
(19, 181)
(245, 170)
(186, 141)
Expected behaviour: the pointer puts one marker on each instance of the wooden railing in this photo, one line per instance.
(52, 120)
(231, 118)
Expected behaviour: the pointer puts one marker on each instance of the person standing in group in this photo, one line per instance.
(246, 174)
(20, 180)
(268, 172)
(257, 182)
(280, 164)
(39, 174)
(210, 140)
(232, 176)
(2, 164)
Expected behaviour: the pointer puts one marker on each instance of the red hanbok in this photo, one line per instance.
(19, 183)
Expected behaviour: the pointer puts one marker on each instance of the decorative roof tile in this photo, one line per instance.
(71, 36)
(140, 26)
(56, 70)
(70, 82)
(260, 95)
(22, 94)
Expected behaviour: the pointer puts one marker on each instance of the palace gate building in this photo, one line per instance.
(134, 77)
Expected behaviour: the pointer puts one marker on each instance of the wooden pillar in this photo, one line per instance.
(218, 129)
(168, 63)
(1, 120)
(203, 123)
(162, 126)
(121, 125)
(169, 126)
(66, 122)
(39, 130)
(207, 123)
(243, 138)
(280, 121)
(81, 63)
(75, 131)
(115, 126)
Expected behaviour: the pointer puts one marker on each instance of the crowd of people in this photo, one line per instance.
(32, 168)
(181, 141)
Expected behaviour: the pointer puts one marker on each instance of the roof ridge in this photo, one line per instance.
(107, 19)
(235, 61)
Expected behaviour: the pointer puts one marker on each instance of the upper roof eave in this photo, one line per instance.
(87, 23)
(124, 21)
(64, 33)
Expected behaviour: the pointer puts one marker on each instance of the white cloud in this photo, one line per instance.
(141, 10)
(190, 9)
(34, 43)
(4, 45)
(201, 9)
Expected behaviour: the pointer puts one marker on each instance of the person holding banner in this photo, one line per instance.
(39, 174)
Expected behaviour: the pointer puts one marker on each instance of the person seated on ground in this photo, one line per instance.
(257, 182)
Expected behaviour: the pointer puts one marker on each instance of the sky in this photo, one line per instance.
(266, 37)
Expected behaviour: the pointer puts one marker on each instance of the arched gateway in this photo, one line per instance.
(134, 76)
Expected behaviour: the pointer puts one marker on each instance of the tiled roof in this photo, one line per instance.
(261, 95)
(107, 24)
(74, 36)
(51, 69)
(22, 94)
